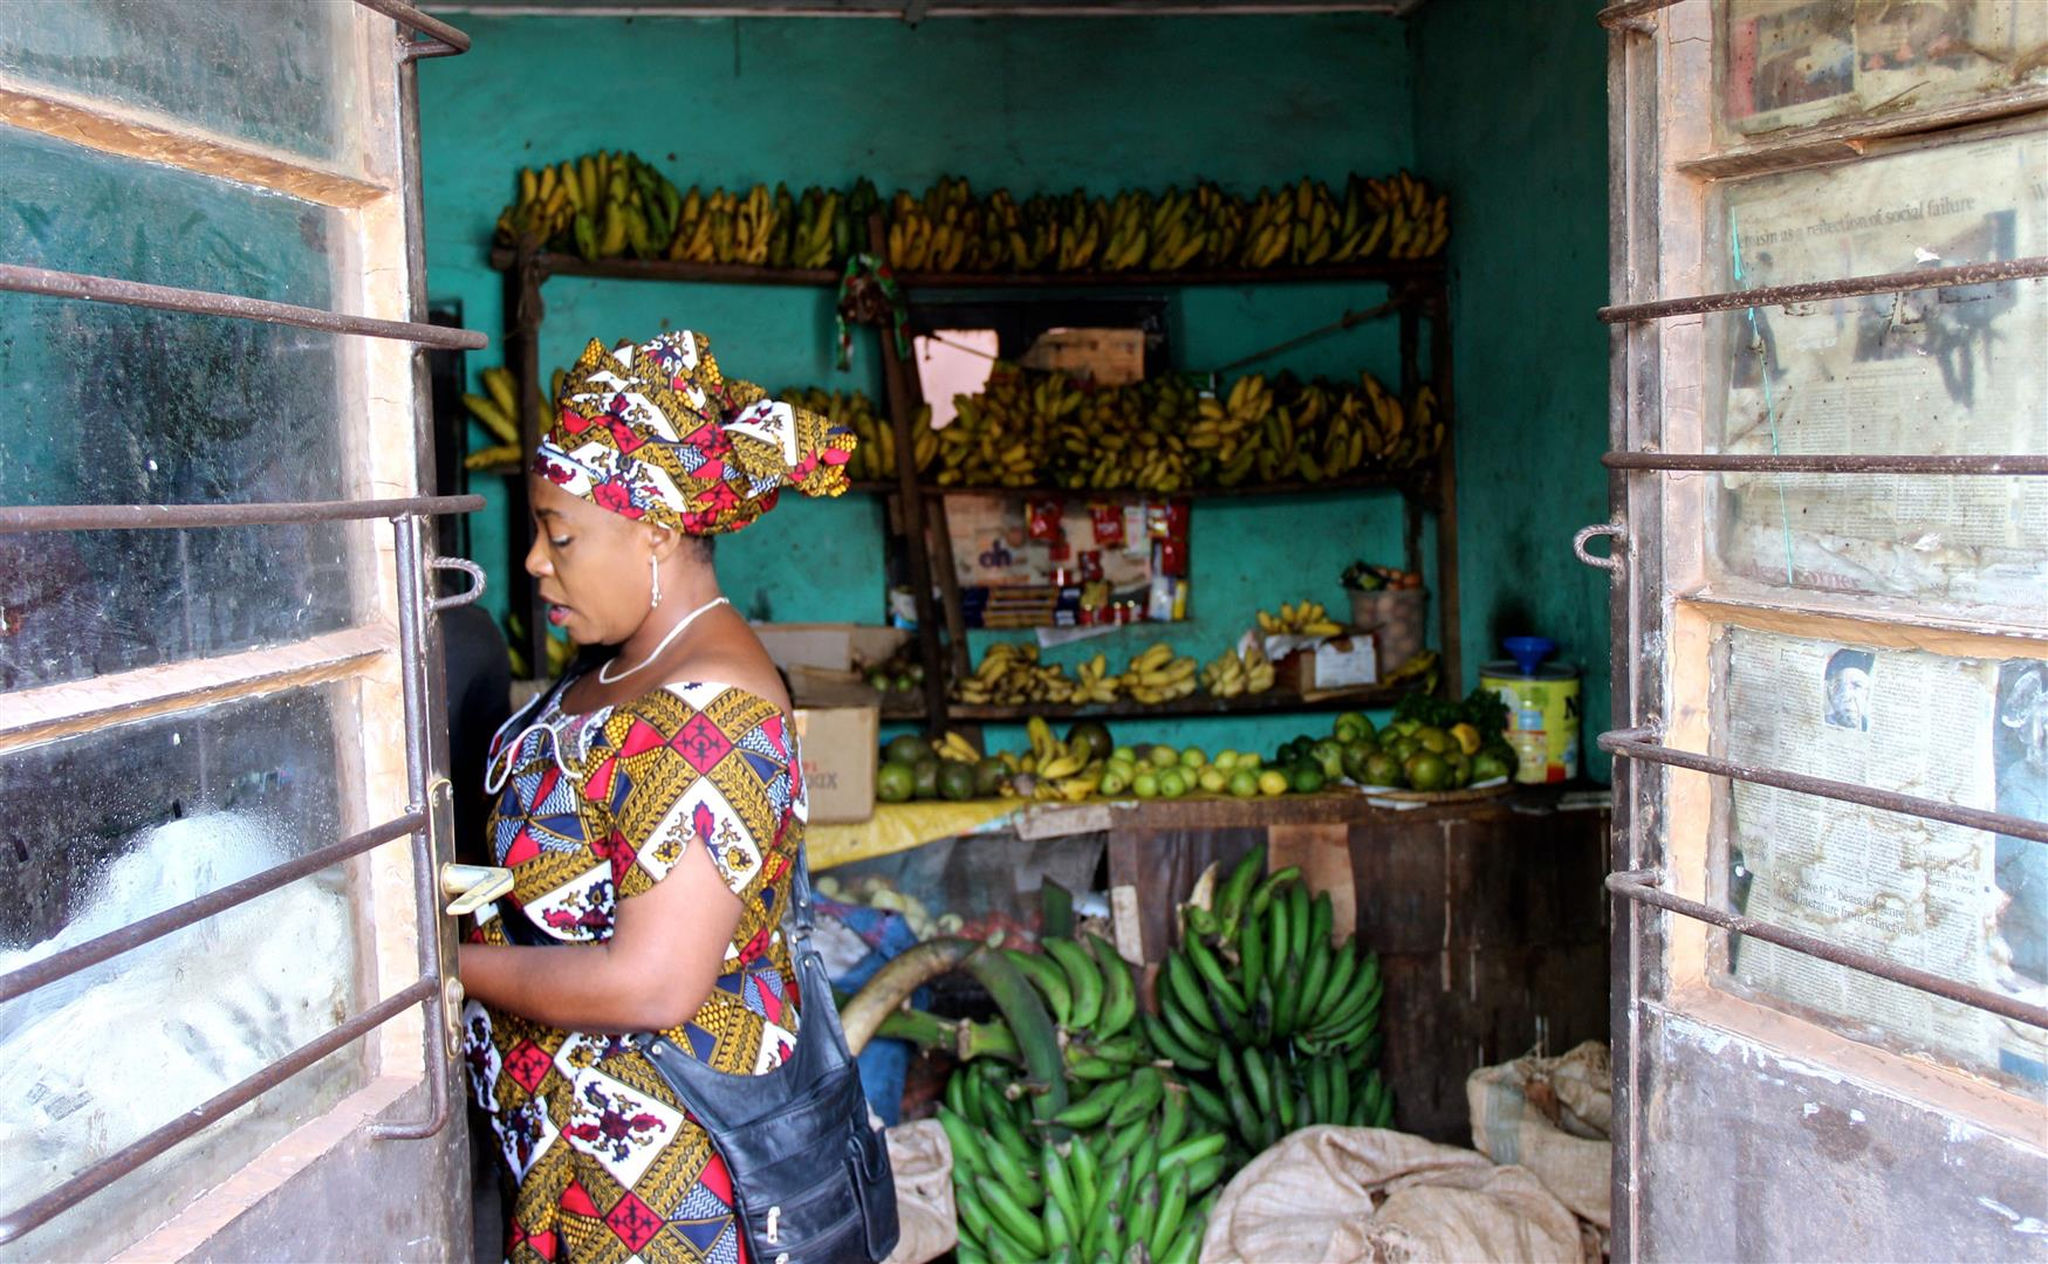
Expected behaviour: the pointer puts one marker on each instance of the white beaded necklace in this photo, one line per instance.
(666, 641)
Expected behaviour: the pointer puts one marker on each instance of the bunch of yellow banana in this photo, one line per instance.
(956, 749)
(764, 228)
(498, 412)
(1064, 770)
(1157, 676)
(603, 205)
(1234, 674)
(1010, 674)
(1420, 223)
(1308, 618)
(1093, 684)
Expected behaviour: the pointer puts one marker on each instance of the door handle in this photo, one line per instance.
(470, 887)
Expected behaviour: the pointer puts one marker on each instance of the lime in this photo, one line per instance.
(925, 774)
(1272, 783)
(1099, 745)
(1435, 739)
(1121, 767)
(894, 783)
(956, 781)
(1307, 778)
(1351, 726)
(1225, 759)
(1114, 783)
(1461, 768)
(1488, 764)
(1145, 785)
(1356, 755)
(1404, 748)
(1244, 783)
(989, 776)
(907, 749)
(1173, 783)
(1163, 756)
(1193, 757)
(1249, 759)
(1427, 771)
(1328, 755)
(1213, 780)
(1124, 753)
(1382, 769)
(1406, 728)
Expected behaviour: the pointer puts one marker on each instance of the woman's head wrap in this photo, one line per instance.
(655, 432)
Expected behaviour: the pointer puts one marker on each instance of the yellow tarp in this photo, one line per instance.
(899, 827)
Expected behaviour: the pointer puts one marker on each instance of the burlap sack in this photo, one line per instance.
(1551, 1115)
(923, 1166)
(1334, 1195)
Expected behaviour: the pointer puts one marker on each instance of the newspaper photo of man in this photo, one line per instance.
(2020, 763)
(1847, 690)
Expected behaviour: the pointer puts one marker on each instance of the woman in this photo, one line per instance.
(651, 811)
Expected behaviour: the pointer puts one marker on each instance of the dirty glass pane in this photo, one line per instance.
(80, 211)
(1788, 63)
(1961, 903)
(108, 828)
(82, 604)
(276, 72)
(1952, 370)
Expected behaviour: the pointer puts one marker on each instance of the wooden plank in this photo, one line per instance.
(1160, 866)
(1323, 852)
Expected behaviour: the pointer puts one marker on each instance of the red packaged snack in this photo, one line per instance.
(1043, 519)
(1155, 519)
(1109, 525)
(1177, 520)
(1170, 557)
(1091, 566)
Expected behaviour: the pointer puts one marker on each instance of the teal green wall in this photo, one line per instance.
(1510, 114)
(1101, 104)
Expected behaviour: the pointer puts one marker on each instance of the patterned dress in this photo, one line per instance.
(606, 1163)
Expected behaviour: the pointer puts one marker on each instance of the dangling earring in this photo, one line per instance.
(654, 573)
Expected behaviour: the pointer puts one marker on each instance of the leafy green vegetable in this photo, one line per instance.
(1483, 709)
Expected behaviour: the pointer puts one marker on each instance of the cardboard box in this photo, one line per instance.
(1343, 662)
(1110, 357)
(838, 746)
(828, 647)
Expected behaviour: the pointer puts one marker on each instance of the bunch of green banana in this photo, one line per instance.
(1136, 1187)
(1236, 672)
(1118, 1170)
(1273, 1025)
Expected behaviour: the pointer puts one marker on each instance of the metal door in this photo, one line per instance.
(224, 1020)
(1829, 440)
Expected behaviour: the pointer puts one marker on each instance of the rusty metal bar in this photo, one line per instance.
(1642, 885)
(85, 1184)
(22, 279)
(1820, 291)
(456, 40)
(1643, 744)
(19, 518)
(1837, 463)
(421, 787)
(1629, 13)
(112, 944)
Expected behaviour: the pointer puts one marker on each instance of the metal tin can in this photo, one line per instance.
(1543, 718)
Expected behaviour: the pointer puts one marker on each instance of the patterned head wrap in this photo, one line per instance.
(655, 432)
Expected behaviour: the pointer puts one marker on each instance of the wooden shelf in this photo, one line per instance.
(551, 264)
(1387, 270)
(1391, 271)
(1272, 702)
(1405, 481)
